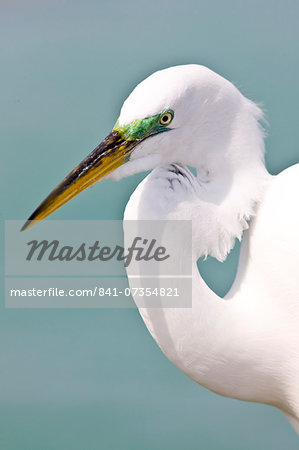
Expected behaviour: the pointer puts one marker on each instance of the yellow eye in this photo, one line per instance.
(166, 118)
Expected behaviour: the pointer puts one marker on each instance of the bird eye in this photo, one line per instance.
(166, 118)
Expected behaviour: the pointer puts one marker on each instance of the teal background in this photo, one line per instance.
(94, 379)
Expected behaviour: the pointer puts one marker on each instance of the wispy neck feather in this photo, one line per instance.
(232, 183)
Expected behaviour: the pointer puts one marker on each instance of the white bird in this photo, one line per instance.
(244, 346)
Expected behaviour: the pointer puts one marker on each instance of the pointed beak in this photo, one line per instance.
(106, 157)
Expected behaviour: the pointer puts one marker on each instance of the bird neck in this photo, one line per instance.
(216, 342)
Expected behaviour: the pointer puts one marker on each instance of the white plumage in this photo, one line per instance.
(246, 345)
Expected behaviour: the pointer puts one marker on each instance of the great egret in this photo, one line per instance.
(247, 345)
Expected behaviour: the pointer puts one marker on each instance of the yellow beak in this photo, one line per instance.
(110, 154)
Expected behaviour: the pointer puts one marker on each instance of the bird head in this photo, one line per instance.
(183, 114)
